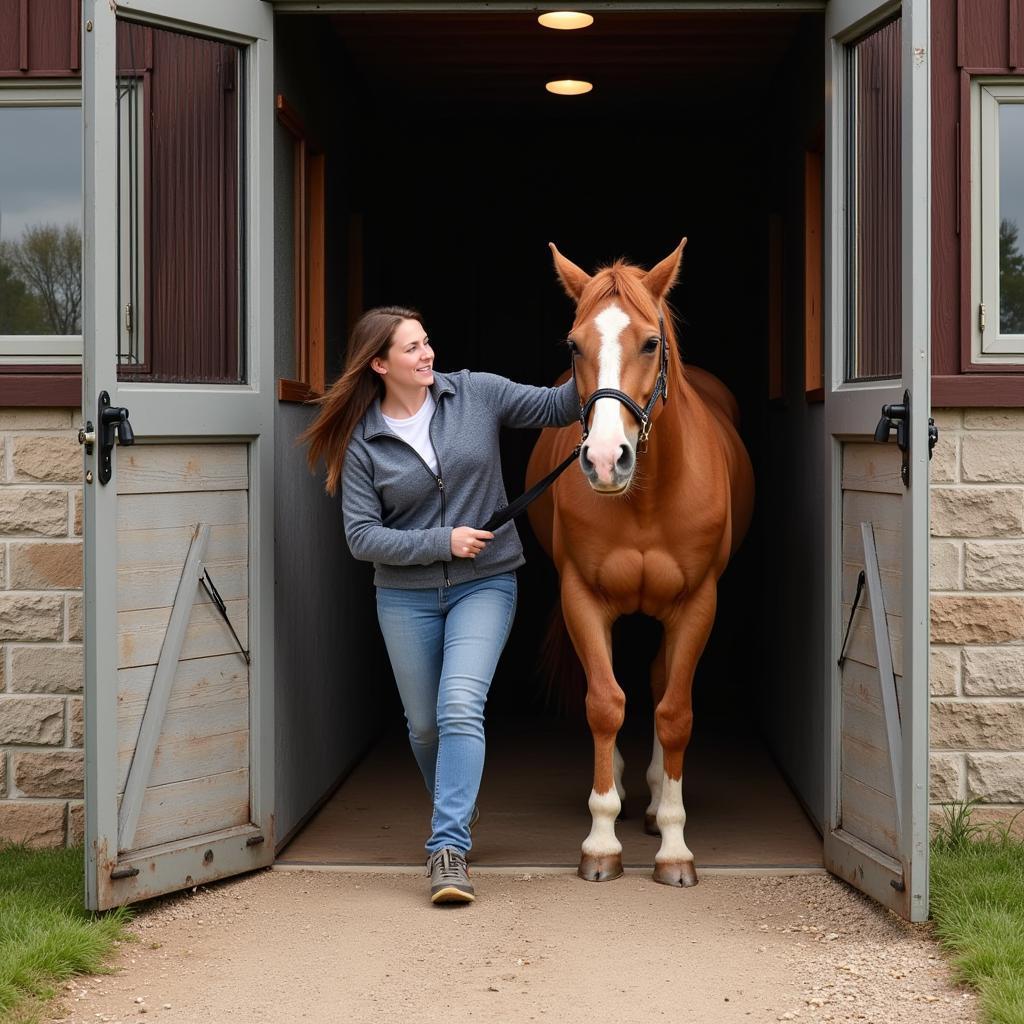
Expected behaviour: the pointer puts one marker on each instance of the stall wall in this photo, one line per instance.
(791, 483)
(329, 667)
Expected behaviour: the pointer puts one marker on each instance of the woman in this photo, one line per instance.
(417, 456)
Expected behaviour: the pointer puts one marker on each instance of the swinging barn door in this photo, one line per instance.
(178, 413)
(877, 348)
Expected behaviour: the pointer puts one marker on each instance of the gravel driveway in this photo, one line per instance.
(281, 946)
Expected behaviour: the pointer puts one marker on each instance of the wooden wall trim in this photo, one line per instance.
(978, 390)
(814, 335)
(295, 391)
(41, 385)
(23, 35)
(1016, 27)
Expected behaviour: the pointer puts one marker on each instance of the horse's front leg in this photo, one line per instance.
(686, 633)
(590, 628)
(656, 768)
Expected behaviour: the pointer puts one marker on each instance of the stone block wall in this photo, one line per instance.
(977, 619)
(41, 665)
(977, 611)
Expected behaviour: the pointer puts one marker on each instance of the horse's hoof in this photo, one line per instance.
(600, 868)
(680, 873)
(651, 825)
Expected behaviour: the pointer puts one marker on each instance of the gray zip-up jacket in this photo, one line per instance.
(400, 516)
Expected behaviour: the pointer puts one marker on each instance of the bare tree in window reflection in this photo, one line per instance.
(48, 262)
(20, 311)
(1011, 279)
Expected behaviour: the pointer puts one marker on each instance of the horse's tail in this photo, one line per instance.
(565, 683)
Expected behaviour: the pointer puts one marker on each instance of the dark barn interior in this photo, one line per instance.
(450, 168)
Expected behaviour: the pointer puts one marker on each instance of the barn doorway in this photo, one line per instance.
(449, 169)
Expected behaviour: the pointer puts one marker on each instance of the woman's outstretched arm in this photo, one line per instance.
(524, 405)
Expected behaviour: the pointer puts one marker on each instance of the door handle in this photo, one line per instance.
(896, 416)
(113, 419)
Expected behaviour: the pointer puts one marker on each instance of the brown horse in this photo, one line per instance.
(647, 526)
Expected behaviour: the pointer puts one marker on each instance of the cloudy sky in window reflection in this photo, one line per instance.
(1011, 163)
(40, 168)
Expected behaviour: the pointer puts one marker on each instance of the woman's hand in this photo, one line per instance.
(467, 542)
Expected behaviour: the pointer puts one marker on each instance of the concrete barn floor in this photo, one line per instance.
(533, 804)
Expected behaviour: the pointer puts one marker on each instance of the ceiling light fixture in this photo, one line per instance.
(566, 19)
(569, 87)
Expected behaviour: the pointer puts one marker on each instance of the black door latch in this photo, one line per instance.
(112, 419)
(897, 417)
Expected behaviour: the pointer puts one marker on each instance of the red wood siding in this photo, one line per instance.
(969, 37)
(878, 271)
(190, 204)
(41, 385)
(40, 38)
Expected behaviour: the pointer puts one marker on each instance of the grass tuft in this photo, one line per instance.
(46, 935)
(977, 902)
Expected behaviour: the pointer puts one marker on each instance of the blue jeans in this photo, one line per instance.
(444, 646)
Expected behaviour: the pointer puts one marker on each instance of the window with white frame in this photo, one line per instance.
(40, 223)
(998, 220)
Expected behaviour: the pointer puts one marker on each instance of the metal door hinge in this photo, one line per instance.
(128, 318)
(981, 316)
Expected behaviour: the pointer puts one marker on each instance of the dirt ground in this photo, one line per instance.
(328, 947)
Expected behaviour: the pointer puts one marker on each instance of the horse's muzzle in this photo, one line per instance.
(608, 472)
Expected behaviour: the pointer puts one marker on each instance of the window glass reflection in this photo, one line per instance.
(1011, 218)
(40, 221)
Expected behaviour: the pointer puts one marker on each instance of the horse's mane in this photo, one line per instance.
(625, 280)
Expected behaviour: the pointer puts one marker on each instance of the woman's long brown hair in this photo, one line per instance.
(348, 398)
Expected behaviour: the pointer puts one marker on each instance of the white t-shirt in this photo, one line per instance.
(415, 430)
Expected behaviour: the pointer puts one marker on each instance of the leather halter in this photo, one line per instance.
(643, 415)
(503, 515)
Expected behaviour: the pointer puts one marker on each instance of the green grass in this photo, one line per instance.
(45, 934)
(977, 903)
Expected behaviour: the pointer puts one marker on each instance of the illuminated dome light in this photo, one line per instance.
(566, 19)
(569, 87)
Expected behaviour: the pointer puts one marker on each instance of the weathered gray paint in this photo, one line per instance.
(851, 410)
(185, 413)
(330, 672)
(794, 577)
(883, 651)
(160, 692)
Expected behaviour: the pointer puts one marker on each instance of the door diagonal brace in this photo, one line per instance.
(160, 692)
(886, 677)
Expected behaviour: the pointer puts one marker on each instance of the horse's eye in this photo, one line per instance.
(651, 345)
(573, 347)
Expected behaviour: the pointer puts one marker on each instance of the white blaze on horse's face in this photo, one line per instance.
(608, 456)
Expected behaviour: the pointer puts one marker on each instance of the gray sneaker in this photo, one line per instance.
(449, 877)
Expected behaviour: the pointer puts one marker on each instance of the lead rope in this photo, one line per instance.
(503, 515)
(509, 512)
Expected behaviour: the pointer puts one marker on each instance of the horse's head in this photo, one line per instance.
(616, 344)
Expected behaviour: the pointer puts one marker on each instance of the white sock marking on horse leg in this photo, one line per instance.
(671, 819)
(655, 773)
(618, 766)
(604, 809)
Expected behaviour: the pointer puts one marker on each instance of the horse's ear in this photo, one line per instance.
(573, 279)
(660, 279)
